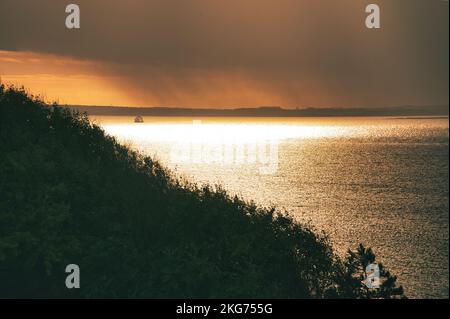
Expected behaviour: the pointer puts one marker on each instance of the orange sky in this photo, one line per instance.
(82, 82)
(234, 53)
(61, 79)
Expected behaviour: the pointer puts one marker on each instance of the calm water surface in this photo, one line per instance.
(379, 181)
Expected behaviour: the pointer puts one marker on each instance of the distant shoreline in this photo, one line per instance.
(439, 111)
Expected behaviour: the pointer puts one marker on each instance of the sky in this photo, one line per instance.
(227, 54)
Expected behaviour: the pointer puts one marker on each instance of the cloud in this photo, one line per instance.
(247, 53)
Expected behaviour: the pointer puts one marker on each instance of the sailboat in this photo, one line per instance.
(138, 119)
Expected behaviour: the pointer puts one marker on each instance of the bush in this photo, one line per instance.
(71, 194)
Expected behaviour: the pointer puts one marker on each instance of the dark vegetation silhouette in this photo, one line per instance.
(69, 193)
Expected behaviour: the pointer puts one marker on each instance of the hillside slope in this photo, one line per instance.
(71, 194)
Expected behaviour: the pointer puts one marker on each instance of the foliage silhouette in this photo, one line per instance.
(69, 193)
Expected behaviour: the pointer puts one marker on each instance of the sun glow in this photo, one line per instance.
(220, 133)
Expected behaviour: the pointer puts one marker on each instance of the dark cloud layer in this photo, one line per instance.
(248, 52)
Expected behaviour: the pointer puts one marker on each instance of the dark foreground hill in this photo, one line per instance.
(69, 194)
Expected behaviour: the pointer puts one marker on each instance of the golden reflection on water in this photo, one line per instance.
(236, 130)
(219, 133)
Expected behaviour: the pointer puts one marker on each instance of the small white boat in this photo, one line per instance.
(138, 119)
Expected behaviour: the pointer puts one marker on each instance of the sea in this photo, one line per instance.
(380, 181)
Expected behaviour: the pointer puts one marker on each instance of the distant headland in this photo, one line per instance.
(267, 111)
